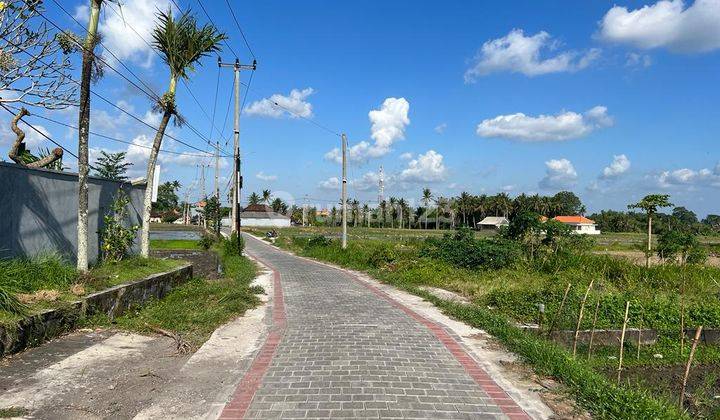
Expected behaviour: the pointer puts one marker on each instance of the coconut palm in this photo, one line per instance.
(393, 203)
(426, 199)
(441, 205)
(402, 205)
(266, 195)
(182, 44)
(356, 211)
(366, 213)
(254, 198)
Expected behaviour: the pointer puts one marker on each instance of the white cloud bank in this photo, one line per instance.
(690, 177)
(387, 126)
(559, 174)
(517, 53)
(665, 24)
(617, 167)
(564, 126)
(264, 177)
(428, 167)
(295, 105)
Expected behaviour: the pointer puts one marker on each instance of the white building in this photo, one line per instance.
(261, 215)
(493, 222)
(579, 224)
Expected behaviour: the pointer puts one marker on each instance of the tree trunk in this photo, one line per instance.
(649, 244)
(83, 135)
(152, 160)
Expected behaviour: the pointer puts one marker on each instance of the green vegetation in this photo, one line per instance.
(505, 290)
(195, 309)
(13, 412)
(29, 285)
(174, 244)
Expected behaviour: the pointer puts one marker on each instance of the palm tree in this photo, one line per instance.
(182, 44)
(356, 211)
(266, 195)
(381, 210)
(426, 199)
(441, 205)
(366, 213)
(463, 203)
(254, 198)
(393, 203)
(88, 58)
(402, 205)
(651, 203)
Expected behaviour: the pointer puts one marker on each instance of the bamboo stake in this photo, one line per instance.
(580, 317)
(557, 315)
(689, 363)
(592, 331)
(622, 341)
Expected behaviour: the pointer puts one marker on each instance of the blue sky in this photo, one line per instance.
(611, 100)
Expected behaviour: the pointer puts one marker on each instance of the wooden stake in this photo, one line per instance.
(642, 315)
(580, 317)
(689, 363)
(557, 315)
(592, 331)
(682, 317)
(622, 341)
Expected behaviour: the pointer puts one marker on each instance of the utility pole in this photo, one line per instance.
(344, 191)
(217, 170)
(381, 186)
(304, 211)
(237, 177)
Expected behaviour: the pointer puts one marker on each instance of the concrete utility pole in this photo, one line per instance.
(304, 211)
(344, 191)
(217, 170)
(237, 177)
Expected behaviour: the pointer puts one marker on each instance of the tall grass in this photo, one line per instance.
(26, 275)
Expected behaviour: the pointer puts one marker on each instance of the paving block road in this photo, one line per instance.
(340, 347)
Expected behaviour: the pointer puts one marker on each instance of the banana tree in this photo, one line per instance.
(182, 43)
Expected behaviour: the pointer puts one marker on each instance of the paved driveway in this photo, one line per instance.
(340, 347)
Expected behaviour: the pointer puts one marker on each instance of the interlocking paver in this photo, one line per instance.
(345, 350)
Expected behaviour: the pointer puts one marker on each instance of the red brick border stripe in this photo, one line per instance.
(250, 383)
(491, 388)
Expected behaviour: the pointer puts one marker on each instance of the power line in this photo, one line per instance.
(242, 33)
(104, 99)
(307, 119)
(104, 136)
(199, 2)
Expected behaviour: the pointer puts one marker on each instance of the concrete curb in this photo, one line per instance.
(36, 329)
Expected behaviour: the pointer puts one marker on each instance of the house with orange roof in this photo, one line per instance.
(579, 224)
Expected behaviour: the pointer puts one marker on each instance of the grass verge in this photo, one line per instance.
(195, 309)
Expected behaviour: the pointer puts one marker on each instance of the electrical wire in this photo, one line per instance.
(242, 33)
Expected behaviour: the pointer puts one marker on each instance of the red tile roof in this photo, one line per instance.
(574, 220)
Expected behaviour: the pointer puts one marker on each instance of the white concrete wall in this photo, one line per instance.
(265, 222)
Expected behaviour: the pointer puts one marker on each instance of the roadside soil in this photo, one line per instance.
(702, 394)
(206, 264)
(638, 257)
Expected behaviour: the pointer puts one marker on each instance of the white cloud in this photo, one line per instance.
(117, 34)
(368, 181)
(690, 177)
(619, 166)
(559, 174)
(634, 59)
(332, 183)
(666, 24)
(428, 167)
(387, 126)
(33, 139)
(518, 53)
(406, 156)
(295, 105)
(440, 128)
(262, 176)
(564, 126)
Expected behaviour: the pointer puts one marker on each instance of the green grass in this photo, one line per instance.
(132, 268)
(195, 309)
(174, 244)
(13, 412)
(514, 291)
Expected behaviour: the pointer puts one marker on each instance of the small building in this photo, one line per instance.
(493, 222)
(579, 224)
(262, 215)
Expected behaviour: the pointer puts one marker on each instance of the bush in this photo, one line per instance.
(382, 255)
(463, 250)
(116, 239)
(319, 241)
(233, 245)
(206, 241)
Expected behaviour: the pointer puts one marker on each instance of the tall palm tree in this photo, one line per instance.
(402, 205)
(441, 205)
(254, 198)
(366, 213)
(266, 195)
(391, 211)
(426, 199)
(651, 203)
(381, 210)
(463, 203)
(356, 211)
(182, 44)
(88, 58)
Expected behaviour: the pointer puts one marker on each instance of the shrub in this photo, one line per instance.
(233, 245)
(115, 238)
(382, 255)
(463, 250)
(206, 241)
(319, 241)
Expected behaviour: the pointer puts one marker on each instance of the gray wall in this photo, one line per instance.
(38, 211)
